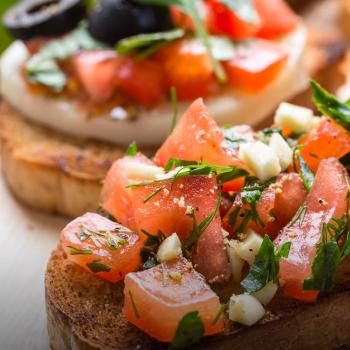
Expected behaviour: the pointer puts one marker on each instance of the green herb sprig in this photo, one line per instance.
(266, 266)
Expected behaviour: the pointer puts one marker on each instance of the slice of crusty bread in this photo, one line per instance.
(51, 171)
(85, 312)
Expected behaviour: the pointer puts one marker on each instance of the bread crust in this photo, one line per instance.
(84, 312)
(51, 171)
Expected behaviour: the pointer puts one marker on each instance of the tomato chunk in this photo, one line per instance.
(277, 18)
(187, 67)
(142, 81)
(257, 66)
(116, 197)
(226, 22)
(102, 246)
(328, 139)
(96, 70)
(197, 137)
(168, 211)
(157, 309)
(327, 199)
(275, 208)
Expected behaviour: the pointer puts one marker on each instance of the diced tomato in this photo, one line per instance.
(102, 246)
(187, 67)
(168, 211)
(225, 22)
(197, 137)
(97, 71)
(277, 18)
(257, 66)
(115, 197)
(157, 309)
(275, 208)
(143, 81)
(328, 139)
(327, 199)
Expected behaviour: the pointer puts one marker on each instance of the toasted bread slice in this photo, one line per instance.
(50, 171)
(85, 312)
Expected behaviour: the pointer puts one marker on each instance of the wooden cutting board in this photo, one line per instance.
(27, 238)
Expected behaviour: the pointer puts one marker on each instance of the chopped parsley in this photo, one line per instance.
(266, 266)
(305, 172)
(132, 150)
(154, 193)
(96, 266)
(330, 106)
(76, 251)
(220, 312)
(197, 230)
(189, 331)
(148, 252)
(173, 95)
(331, 251)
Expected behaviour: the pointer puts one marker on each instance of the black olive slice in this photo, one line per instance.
(113, 20)
(37, 18)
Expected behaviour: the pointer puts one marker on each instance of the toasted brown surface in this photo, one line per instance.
(51, 171)
(84, 312)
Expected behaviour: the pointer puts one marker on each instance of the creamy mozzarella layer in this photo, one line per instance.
(151, 126)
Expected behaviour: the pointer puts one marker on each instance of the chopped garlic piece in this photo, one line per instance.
(266, 294)
(138, 171)
(236, 261)
(261, 159)
(249, 248)
(245, 309)
(282, 150)
(169, 249)
(296, 118)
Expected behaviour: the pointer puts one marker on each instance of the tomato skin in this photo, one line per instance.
(166, 211)
(96, 70)
(328, 139)
(251, 74)
(326, 199)
(187, 67)
(277, 18)
(226, 22)
(120, 261)
(115, 197)
(142, 81)
(275, 208)
(197, 137)
(160, 309)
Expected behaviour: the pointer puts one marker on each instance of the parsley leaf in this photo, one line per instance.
(173, 96)
(330, 253)
(132, 150)
(189, 331)
(76, 251)
(148, 252)
(330, 106)
(305, 172)
(266, 266)
(42, 68)
(143, 41)
(97, 266)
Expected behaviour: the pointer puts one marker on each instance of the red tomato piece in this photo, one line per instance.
(277, 18)
(197, 137)
(328, 139)
(116, 197)
(97, 70)
(257, 66)
(102, 246)
(168, 211)
(187, 67)
(157, 309)
(327, 199)
(275, 208)
(225, 22)
(142, 81)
